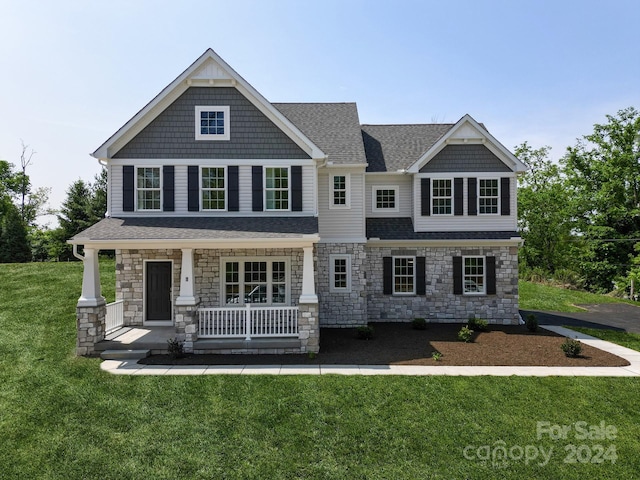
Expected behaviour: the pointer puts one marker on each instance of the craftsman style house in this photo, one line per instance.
(245, 225)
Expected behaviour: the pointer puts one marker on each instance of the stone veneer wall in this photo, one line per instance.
(90, 328)
(342, 309)
(440, 304)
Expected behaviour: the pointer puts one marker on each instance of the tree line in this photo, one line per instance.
(21, 238)
(579, 217)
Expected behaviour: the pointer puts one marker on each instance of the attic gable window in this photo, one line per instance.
(212, 123)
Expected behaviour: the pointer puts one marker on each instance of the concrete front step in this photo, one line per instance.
(124, 354)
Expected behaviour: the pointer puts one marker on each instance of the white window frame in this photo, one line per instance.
(470, 277)
(441, 197)
(374, 198)
(138, 189)
(393, 274)
(332, 274)
(497, 197)
(225, 189)
(265, 189)
(212, 136)
(333, 191)
(241, 270)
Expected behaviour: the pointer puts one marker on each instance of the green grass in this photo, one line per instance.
(629, 340)
(535, 296)
(61, 417)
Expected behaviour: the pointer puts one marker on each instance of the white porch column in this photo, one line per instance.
(308, 283)
(187, 288)
(91, 292)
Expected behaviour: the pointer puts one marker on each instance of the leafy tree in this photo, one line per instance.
(603, 177)
(543, 215)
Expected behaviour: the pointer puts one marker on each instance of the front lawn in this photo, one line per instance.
(63, 418)
(536, 296)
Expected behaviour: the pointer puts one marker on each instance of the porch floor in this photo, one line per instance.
(155, 338)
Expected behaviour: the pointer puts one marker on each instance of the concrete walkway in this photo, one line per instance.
(132, 367)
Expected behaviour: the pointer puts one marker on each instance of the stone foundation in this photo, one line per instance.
(90, 328)
(186, 322)
(308, 328)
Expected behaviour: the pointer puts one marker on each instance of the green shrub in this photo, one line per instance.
(175, 348)
(465, 334)
(365, 332)
(419, 324)
(478, 324)
(531, 322)
(436, 356)
(571, 347)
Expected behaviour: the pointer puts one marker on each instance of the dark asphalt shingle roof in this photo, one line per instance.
(333, 127)
(390, 148)
(198, 228)
(402, 229)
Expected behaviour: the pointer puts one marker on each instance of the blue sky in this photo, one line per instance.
(73, 72)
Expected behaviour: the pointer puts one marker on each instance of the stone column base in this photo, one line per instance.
(186, 320)
(308, 328)
(90, 328)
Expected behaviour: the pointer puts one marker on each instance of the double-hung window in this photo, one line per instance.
(213, 188)
(148, 188)
(277, 188)
(339, 191)
(385, 198)
(441, 196)
(473, 275)
(404, 275)
(256, 280)
(489, 195)
(340, 274)
(212, 123)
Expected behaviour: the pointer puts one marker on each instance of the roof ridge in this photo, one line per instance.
(404, 124)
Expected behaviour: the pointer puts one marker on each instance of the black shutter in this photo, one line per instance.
(387, 275)
(505, 196)
(233, 188)
(168, 188)
(296, 188)
(458, 187)
(425, 196)
(421, 288)
(457, 275)
(193, 188)
(256, 188)
(472, 204)
(491, 275)
(128, 188)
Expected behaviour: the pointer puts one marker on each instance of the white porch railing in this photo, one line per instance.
(248, 322)
(115, 316)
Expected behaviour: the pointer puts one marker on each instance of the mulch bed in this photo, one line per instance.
(399, 344)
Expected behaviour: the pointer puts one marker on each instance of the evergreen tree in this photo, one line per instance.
(14, 244)
(75, 215)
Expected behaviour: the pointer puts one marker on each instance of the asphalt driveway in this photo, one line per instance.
(615, 316)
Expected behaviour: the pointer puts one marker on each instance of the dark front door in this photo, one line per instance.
(158, 294)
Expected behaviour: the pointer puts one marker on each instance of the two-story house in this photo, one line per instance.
(245, 225)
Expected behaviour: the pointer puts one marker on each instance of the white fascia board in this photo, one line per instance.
(226, 243)
(333, 240)
(172, 91)
(359, 166)
(512, 242)
(489, 140)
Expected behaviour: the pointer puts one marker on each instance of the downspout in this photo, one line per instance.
(105, 164)
(76, 254)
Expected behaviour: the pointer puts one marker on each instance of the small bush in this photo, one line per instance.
(364, 332)
(419, 324)
(175, 348)
(436, 356)
(478, 324)
(531, 322)
(465, 335)
(571, 348)
(311, 355)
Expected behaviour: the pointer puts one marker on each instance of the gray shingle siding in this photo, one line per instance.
(465, 158)
(172, 133)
